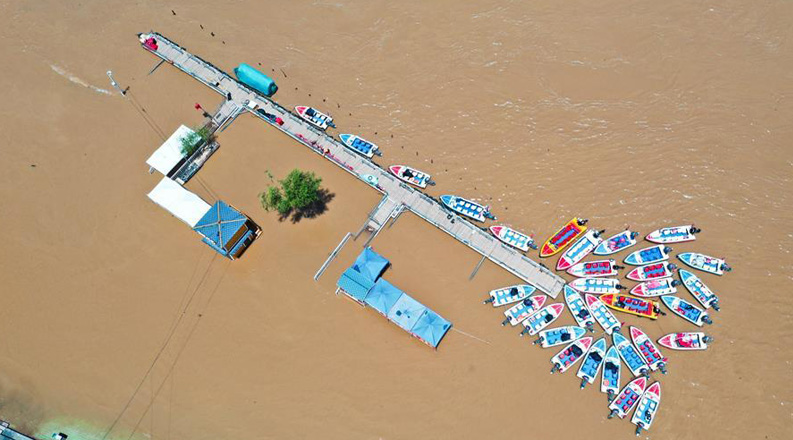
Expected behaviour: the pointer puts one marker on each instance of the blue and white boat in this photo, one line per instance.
(616, 243)
(598, 286)
(360, 145)
(592, 362)
(579, 310)
(699, 290)
(647, 409)
(580, 249)
(704, 263)
(686, 310)
(315, 117)
(467, 208)
(630, 355)
(673, 234)
(652, 254)
(522, 310)
(513, 238)
(570, 355)
(509, 295)
(559, 335)
(542, 319)
(602, 314)
(610, 379)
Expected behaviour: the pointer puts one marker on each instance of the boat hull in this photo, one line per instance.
(564, 236)
(616, 243)
(410, 175)
(597, 268)
(580, 249)
(359, 145)
(512, 237)
(674, 234)
(465, 207)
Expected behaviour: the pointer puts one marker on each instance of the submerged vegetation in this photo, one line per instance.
(299, 195)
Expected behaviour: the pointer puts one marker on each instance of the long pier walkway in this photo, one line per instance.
(398, 195)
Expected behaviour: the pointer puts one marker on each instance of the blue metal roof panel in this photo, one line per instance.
(406, 312)
(220, 224)
(383, 296)
(431, 328)
(355, 284)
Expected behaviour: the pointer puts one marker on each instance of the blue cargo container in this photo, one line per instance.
(255, 79)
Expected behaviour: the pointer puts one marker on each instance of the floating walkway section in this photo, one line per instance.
(398, 196)
(6, 433)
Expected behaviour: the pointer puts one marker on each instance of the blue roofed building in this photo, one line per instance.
(406, 312)
(383, 296)
(370, 264)
(355, 284)
(431, 328)
(357, 280)
(226, 230)
(362, 282)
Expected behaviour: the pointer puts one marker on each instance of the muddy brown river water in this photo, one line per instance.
(118, 323)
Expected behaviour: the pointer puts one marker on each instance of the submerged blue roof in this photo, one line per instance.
(383, 296)
(219, 225)
(370, 264)
(431, 328)
(406, 312)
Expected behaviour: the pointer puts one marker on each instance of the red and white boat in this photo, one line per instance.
(628, 398)
(651, 354)
(652, 271)
(411, 175)
(657, 287)
(596, 268)
(686, 341)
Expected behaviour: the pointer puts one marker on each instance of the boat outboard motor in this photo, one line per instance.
(634, 234)
(675, 283)
(582, 221)
(667, 249)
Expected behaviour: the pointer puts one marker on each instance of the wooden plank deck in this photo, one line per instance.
(398, 194)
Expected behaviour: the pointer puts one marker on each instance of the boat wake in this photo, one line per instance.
(77, 80)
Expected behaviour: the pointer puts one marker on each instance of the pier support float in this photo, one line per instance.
(332, 256)
(476, 269)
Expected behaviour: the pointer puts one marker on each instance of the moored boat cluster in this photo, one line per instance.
(596, 297)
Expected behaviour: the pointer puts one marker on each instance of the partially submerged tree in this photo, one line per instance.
(192, 141)
(299, 191)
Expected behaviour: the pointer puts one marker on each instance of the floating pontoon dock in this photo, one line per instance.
(397, 195)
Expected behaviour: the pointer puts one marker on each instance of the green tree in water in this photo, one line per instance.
(299, 191)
